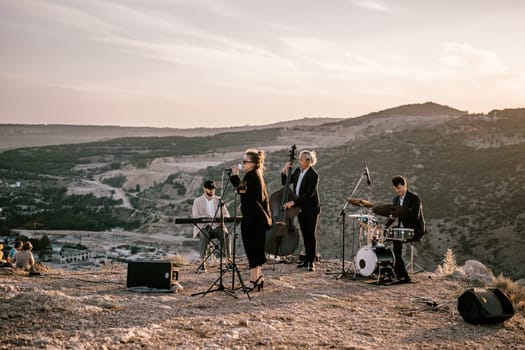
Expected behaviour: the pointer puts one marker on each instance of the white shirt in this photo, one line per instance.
(210, 206)
(401, 199)
(299, 180)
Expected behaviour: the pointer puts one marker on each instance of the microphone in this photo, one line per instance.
(367, 174)
(229, 170)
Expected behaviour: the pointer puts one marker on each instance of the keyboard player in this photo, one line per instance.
(207, 205)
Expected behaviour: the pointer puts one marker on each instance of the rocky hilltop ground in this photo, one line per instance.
(295, 310)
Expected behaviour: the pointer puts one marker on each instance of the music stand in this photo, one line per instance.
(231, 266)
(342, 214)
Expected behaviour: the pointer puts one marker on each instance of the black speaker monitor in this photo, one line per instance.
(482, 306)
(152, 274)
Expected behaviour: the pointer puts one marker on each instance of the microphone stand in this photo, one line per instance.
(342, 216)
(218, 281)
(232, 265)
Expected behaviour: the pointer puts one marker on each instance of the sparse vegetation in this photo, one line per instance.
(449, 263)
(116, 181)
(515, 293)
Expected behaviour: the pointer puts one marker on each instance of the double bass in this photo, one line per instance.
(283, 237)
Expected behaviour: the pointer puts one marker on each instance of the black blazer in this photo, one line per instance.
(255, 206)
(308, 199)
(415, 220)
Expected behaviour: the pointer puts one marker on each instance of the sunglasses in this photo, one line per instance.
(247, 161)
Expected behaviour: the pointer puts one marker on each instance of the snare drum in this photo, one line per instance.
(400, 234)
(370, 259)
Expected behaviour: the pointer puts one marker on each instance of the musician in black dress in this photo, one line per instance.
(305, 181)
(415, 221)
(255, 209)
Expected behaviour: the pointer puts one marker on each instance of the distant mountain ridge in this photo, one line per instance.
(29, 135)
(35, 135)
(426, 109)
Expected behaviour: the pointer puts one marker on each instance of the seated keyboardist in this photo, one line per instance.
(208, 205)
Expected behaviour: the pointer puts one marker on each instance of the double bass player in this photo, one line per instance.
(305, 180)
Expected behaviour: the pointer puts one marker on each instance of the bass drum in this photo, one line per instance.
(369, 259)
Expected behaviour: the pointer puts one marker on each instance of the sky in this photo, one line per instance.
(217, 63)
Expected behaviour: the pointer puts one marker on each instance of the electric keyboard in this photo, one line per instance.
(206, 220)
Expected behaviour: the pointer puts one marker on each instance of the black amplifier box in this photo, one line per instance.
(152, 274)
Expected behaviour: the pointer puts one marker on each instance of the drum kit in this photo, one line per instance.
(373, 257)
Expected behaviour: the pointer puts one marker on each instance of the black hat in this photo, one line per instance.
(209, 184)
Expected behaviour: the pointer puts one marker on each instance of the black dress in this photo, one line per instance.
(256, 218)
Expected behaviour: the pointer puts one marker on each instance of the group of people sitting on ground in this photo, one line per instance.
(19, 256)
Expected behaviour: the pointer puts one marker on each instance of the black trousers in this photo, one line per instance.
(308, 224)
(208, 234)
(399, 265)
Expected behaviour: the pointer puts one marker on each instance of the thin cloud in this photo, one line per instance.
(465, 58)
(222, 8)
(372, 5)
(139, 51)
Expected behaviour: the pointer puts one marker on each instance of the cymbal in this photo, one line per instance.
(360, 202)
(397, 211)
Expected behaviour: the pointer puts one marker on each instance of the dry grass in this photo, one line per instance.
(515, 293)
(179, 260)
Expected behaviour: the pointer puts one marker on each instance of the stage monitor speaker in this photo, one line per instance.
(152, 274)
(482, 306)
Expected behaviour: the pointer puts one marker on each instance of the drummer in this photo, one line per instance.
(413, 220)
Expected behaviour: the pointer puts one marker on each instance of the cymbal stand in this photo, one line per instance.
(342, 216)
(411, 263)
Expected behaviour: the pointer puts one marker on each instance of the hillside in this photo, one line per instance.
(466, 168)
(295, 310)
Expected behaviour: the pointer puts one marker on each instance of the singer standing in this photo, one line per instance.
(255, 209)
(305, 181)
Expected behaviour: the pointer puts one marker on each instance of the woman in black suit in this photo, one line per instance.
(255, 209)
(305, 181)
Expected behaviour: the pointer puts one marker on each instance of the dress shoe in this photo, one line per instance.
(303, 264)
(403, 280)
(258, 284)
(311, 266)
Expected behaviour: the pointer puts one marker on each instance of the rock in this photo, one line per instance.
(520, 282)
(476, 270)
(459, 273)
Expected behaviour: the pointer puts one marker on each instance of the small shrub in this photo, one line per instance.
(515, 293)
(449, 264)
